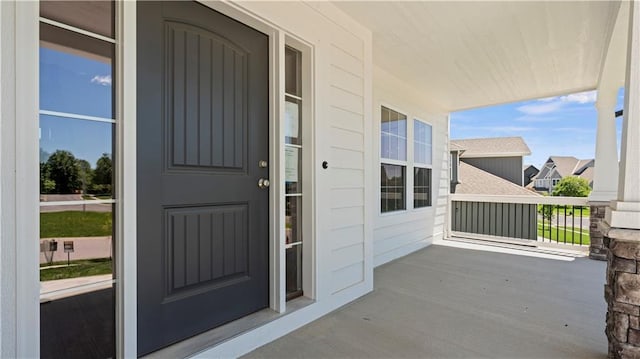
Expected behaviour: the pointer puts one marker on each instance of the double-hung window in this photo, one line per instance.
(422, 163)
(393, 164)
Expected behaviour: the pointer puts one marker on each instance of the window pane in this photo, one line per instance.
(294, 271)
(292, 123)
(293, 170)
(292, 69)
(76, 281)
(393, 135)
(392, 188)
(421, 187)
(75, 159)
(93, 16)
(422, 142)
(293, 217)
(75, 73)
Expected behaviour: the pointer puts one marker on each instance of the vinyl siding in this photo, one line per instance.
(399, 233)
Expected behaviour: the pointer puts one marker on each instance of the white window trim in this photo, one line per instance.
(409, 164)
(382, 161)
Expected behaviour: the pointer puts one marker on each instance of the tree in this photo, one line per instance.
(103, 175)
(47, 185)
(64, 171)
(572, 186)
(85, 174)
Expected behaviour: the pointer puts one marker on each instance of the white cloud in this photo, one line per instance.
(101, 80)
(540, 109)
(552, 104)
(581, 97)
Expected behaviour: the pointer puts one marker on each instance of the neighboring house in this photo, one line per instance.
(488, 166)
(530, 172)
(558, 167)
(501, 156)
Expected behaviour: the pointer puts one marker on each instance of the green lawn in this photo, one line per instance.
(80, 268)
(558, 234)
(586, 211)
(75, 224)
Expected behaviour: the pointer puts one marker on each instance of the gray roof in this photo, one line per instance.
(493, 147)
(570, 166)
(476, 181)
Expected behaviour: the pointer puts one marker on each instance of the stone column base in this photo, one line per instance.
(597, 249)
(622, 292)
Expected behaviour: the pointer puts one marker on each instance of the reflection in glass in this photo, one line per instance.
(75, 159)
(77, 311)
(75, 73)
(76, 281)
(393, 132)
(421, 187)
(93, 16)
(422, 142)
(392, 193)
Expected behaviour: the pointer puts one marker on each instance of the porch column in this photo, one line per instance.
(622, 291)
(605, 181)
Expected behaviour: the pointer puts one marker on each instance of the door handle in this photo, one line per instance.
(263, 183)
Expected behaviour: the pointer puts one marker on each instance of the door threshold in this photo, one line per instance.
(213, 337)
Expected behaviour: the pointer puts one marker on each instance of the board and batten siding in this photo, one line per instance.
(399, 233)
(509, 168)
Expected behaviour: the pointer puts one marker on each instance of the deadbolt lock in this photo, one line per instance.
(263, 164)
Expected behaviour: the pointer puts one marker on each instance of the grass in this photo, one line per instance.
(81, 268)
(586, 211)
(558, 234)
(75, 224)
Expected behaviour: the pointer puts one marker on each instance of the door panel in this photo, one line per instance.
(202, 130)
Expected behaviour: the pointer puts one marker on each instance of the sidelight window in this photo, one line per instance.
(77, 123)
(293, 172)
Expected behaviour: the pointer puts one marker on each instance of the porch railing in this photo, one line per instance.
(546, 219)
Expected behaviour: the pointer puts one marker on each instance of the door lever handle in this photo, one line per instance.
(263, 183)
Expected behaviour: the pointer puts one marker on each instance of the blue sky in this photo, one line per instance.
(560, 126)
(80, 85)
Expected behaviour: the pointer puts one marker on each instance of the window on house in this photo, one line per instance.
(393, 153)
(422, 162)
(293, 172)
(77, 139)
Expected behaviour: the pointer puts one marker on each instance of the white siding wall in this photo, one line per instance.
(399, 233)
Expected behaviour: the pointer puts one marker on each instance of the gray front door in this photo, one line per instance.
(202, 131)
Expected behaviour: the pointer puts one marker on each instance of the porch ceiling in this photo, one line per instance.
(472, 54)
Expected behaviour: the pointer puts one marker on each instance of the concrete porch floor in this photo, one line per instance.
(450, 302)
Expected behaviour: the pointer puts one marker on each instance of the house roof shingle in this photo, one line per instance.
(476, 181)
(493, 147)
